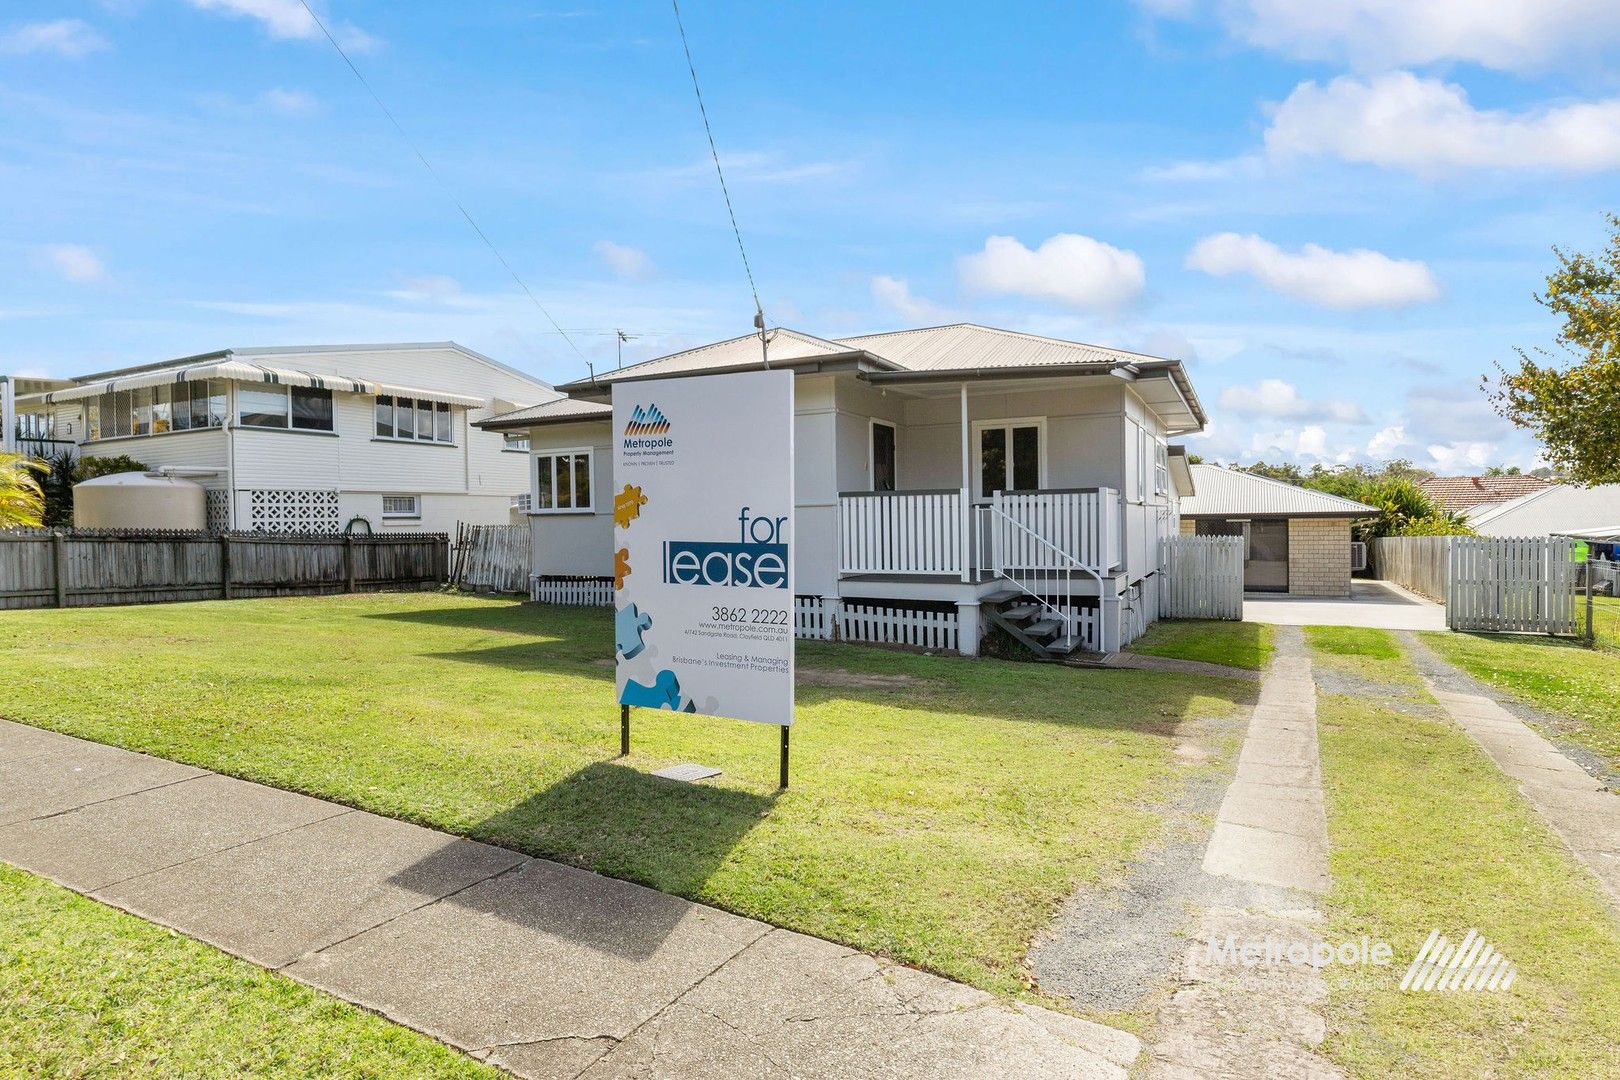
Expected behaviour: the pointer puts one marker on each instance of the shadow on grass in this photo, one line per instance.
(641, 829)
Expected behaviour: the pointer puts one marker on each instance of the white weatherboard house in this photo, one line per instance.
(313, 438)
(954, 476)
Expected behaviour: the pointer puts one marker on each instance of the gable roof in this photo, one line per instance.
(1462, 492)
(1553, 510)
(1230, 493)
(964, 349)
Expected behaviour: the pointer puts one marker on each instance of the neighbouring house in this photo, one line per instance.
(1552, 510)
(1295, 540)
(309, 438)
(960, 473)
(1457, 494)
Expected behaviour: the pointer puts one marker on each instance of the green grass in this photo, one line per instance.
(940, 811)
(1235, 644)
(1426, 834)
(1579, 686)
(1606, 621)
(91, 992)
(1365, 653)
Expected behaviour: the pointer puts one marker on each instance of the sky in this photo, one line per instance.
(1337, 212)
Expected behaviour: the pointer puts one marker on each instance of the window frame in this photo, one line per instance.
(1042, 454)
(434, 408)
(552, 454)
(415, 513)
(871, 453)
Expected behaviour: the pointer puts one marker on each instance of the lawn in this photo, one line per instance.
(941, 808)
(1235, 644)
(92, 992)
(1428, 834)
(1580, 686)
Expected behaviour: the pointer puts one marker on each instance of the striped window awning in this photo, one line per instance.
(242, 371)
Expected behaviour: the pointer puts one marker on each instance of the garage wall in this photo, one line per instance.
(1319, 556)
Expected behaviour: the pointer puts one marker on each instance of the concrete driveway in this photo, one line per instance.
(1371, 603)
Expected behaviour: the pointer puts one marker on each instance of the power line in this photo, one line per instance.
(444, 186)
(759, 312)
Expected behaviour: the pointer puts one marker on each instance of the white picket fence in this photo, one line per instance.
(1512, 585)
(1202, 577)
(575, 592)
(898, 626)
(810, 619)
(491, 558)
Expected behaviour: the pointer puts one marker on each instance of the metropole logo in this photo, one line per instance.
(1474, 964)
(646, 421)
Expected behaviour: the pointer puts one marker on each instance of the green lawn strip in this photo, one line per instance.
(1606, 621)
(1367, 654)
(91, 992)
(1235, 644)
(1426, 833)
(1563, 678)
(941, 808)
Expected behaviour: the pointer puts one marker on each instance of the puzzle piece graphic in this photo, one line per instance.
(627, 505)
(627, 629)
(621, 567)
(664, 693)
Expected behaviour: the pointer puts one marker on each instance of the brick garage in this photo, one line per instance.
(1297, 540)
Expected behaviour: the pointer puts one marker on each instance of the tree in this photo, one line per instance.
(1574, 409)
(22, 503)
(89, 468)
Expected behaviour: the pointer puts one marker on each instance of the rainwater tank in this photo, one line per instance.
(136, 500)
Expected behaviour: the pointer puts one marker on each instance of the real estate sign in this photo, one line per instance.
(703, 544)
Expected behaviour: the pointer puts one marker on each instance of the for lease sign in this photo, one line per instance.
(703, 544)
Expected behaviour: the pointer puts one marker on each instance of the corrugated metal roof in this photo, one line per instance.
(968, 346)
(549, 412)
(738, 352)
(1229, 493)
(1550, 511)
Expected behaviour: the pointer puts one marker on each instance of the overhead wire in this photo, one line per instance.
(442, 185)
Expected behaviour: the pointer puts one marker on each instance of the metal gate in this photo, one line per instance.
(1512, 585)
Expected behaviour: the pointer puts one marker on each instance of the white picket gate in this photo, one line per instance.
(1202, 577)
(1512, 584)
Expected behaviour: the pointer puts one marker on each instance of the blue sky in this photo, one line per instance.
(1336, 211)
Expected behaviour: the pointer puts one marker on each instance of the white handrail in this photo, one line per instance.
(1029, 578)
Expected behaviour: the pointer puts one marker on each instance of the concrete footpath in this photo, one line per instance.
(542, 969)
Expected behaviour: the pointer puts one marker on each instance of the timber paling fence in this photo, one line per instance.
(491, 558)
(1508, 584)
(1420, 564)
(1203, 577)
(92, 568)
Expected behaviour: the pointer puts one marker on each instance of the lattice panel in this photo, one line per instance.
(293, 510)
(218, 509)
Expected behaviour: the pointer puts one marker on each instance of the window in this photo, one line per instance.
(256, 407)
(413, 419)
(311, 409)
(1009, 457)
(402, 506)
(883, 471)
(1161, 468)
(123, 413)
(301, 408)
(563, 480)
(142, 402)
(516, 441)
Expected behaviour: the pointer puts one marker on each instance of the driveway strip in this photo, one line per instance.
(543, 969)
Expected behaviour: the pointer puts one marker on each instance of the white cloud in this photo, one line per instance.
(1337, 279)
(1508, 35)
(71, 38)
(1403, 121)
(1309, 442)
(289, 102)
(1279, 399)
(1461, 456)
(893, 293)
(629, 263)
(288, 20)
(1388, 442)
(428, 288)
(76, 263)
(1074, 269)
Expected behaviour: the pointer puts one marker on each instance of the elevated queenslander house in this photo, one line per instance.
(956, 475)
(311, 438)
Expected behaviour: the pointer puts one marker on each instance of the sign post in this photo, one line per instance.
(703, 548)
